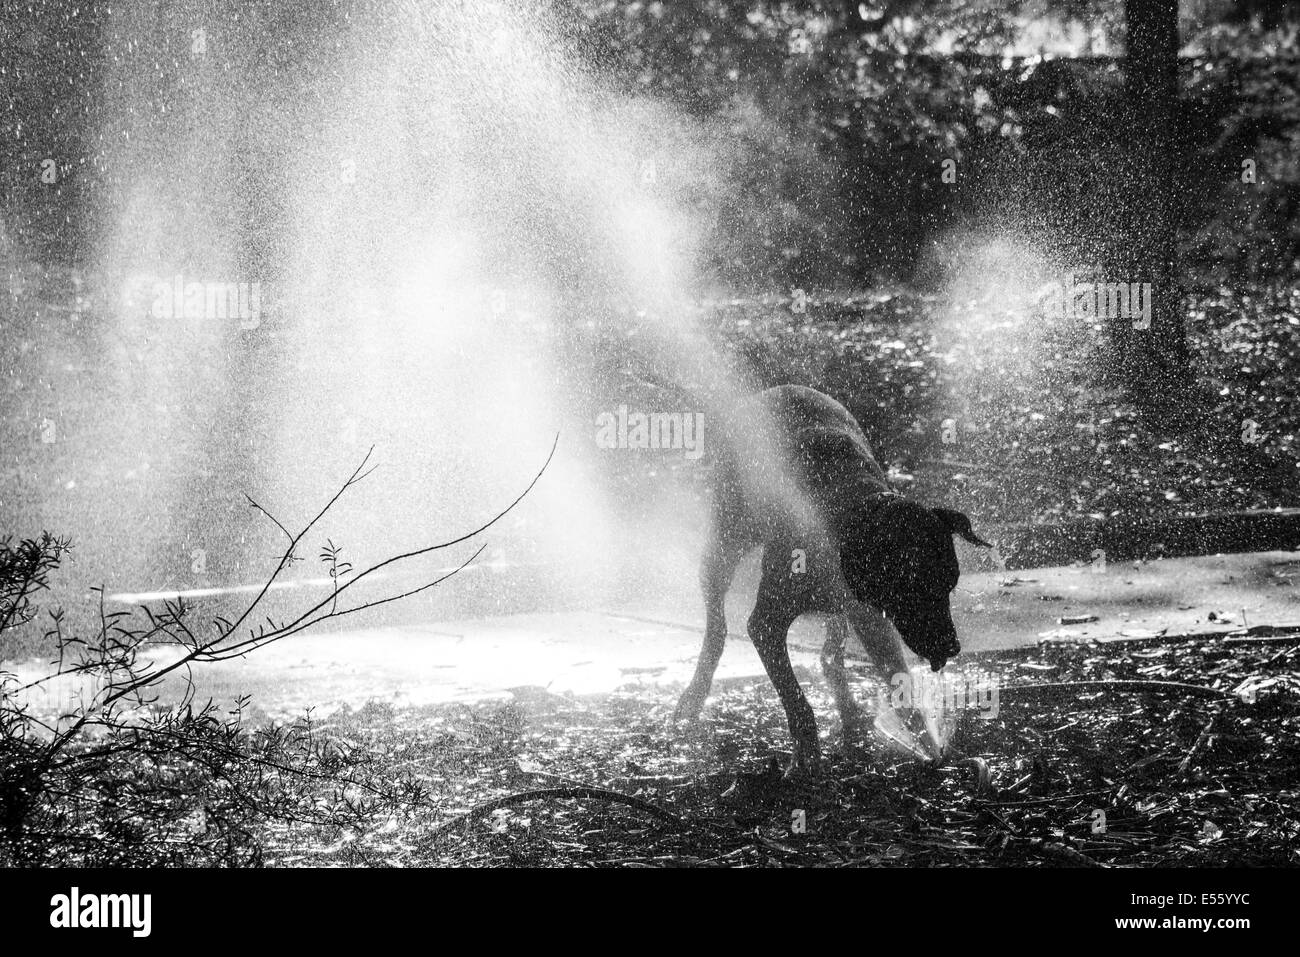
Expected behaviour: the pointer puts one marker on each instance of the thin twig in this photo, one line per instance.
(255, 640)
(1061, 688)
(1201, 740)
(1064, 854)
(1051, 800)
(254, 504)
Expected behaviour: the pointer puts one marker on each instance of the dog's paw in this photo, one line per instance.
(686, 713)
(688, 708)
(805, 761)
(749, 789)
(854, 727)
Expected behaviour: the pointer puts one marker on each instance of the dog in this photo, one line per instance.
(798, 478)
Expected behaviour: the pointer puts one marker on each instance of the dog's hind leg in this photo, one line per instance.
(774, 613)
(837, 633)
(716, 572)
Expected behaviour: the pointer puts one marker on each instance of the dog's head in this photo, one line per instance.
(898, 556)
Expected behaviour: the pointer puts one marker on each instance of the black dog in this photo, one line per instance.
(798, 477)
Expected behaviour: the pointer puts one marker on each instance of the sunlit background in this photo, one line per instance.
(458, 240)
(439, 209)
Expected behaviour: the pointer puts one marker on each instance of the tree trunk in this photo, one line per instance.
(1153, 361)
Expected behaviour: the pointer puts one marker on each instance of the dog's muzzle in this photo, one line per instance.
(930, 635)
(949, 651)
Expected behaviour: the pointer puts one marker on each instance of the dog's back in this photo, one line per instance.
(796, 434)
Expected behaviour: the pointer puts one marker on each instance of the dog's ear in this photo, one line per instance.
(959, 524)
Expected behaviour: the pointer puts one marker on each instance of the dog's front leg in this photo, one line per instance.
(885, 647)
(879, 638)
(768, 627)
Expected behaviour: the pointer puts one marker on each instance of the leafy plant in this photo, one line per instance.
(95, 772)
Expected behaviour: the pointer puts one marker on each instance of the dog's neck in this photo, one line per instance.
(859, 504)
(869, 497)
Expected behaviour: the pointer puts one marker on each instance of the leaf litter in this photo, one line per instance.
(1114, 763)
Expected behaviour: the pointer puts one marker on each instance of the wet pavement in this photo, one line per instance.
(597, 650)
